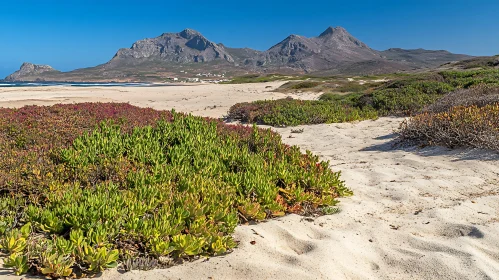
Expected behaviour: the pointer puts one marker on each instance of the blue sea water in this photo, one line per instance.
(74, 84)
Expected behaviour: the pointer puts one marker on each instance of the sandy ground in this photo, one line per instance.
(209, 100)
(427, 213)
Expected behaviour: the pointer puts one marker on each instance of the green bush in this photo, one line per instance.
(256, 78)
(394, 98)
(466, 79)
(143, 184)
(284, 112)
(404, 95)
(354, 87)
(408, 99)
(351, 99)
(305, 85)
(410, 79)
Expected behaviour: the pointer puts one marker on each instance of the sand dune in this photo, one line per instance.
(428, 213)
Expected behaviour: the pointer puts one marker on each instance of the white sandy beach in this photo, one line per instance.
(208, 100)
(427, 213)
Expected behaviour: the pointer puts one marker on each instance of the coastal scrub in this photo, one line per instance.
(86, 187)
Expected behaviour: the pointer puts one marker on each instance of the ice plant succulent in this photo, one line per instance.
(85, 187)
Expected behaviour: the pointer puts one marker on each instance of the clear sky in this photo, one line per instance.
(69, 34)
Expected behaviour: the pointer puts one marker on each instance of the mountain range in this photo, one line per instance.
(183, 54)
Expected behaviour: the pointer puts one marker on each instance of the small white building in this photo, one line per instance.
(193, 80)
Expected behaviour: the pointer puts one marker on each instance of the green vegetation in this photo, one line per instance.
(466, 79)
(328, 84)
(284, 112)
(84, 187)
(405, 99)
(258, 78)
(305, 85)
(352, 99)
(403, 95)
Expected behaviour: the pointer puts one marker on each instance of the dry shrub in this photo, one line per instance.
(472, 126)
(478, 96)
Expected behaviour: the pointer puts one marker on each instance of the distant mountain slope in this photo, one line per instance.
(187, 53)
(475, 62)
(421, 58)
(244, 57)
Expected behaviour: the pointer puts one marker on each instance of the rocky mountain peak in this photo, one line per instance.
(334, 31)
(291, 39)
(183, 47)
(189, 34)
(339, 38)
(27, 66)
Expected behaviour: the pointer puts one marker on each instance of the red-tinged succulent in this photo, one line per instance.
(124, 182)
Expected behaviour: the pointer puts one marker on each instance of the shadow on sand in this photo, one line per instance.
(458, 154)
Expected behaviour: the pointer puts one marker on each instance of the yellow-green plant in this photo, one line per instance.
(100, 259)
(18, 262)
(15, 240)
(170, 190)
(56, 264)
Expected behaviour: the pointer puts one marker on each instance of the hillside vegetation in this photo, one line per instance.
(450, 108)
(346, 101)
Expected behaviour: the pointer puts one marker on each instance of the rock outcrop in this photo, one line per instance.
(29, 70)
(184, 47)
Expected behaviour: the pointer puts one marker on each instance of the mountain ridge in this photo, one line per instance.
(334, 50)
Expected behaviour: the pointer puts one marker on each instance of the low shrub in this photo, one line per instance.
(284, 112)
(404, 95)
(351, 99)
(410, 79)
(411, 94)
(256, 78)
(472, 126)
(305, 85)
(86, 186)
(466, 79)
(355, 87)
(405, 100)
(479, 96)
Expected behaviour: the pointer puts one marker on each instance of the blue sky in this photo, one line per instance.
(73, 34)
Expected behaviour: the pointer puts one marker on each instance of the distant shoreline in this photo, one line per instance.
(88, 84)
